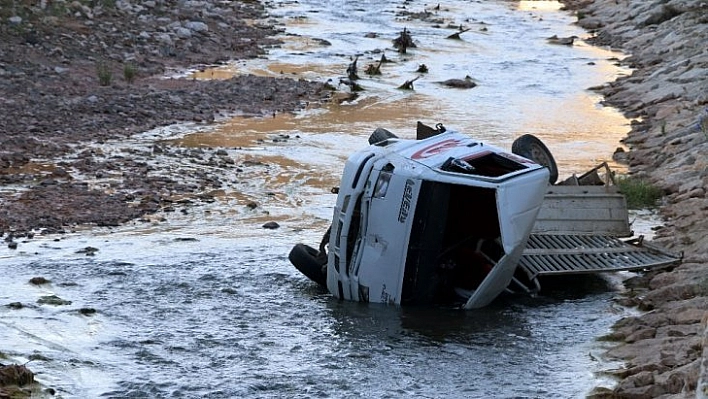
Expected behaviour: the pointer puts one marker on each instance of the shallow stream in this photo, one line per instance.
(203, 302)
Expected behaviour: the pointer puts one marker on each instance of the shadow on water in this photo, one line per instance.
(428, 323)
(519, 346)
(507, 314)
(576, 287)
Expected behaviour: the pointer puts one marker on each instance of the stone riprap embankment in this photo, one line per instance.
(79, 72)
(666, 96)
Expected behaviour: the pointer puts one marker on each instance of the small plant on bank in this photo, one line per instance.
(129, 72)
(639, 192)
(104, 74)
(111, 4)
(57, 9)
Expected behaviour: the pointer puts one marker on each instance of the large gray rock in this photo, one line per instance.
(196, 26)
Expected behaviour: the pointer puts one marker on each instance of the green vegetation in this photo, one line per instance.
(58, 9)
(104, 74)
(639, 192)
(8, 9)
(129, 72)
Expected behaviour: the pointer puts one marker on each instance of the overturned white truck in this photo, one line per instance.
(446, 219)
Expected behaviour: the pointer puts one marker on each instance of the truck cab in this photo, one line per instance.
(439, 220)
(446, 219)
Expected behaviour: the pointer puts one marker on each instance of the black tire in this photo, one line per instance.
(531, 147)
(307, 260)
(379, 135)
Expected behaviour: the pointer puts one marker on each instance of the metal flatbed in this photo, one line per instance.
(547, 255)
(578, 231)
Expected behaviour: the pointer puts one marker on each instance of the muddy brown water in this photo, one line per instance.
(202, 302)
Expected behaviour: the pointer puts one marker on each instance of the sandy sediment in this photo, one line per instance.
(666, 97)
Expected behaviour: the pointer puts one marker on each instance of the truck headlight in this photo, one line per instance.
(382, 183)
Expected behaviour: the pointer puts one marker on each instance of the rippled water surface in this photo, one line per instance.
(205, 303)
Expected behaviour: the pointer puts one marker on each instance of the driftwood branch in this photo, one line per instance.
(408, 85)
(456, 35)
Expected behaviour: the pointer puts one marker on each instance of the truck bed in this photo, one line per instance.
(579, 229)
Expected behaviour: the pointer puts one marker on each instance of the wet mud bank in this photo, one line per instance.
(74, 74)
(666, 97)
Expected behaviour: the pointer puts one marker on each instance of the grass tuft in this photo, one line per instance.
(104, 74)
(639, 193)
(129, 72)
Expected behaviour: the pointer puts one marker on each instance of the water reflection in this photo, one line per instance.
(508, 316)
(514, 348)
(525, 85)
(539, 5)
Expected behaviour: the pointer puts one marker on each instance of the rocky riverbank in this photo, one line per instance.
(666, 97)
(74, 73)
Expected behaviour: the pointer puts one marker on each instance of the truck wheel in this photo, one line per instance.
(379, 135)
(531, 147)
(305, 259)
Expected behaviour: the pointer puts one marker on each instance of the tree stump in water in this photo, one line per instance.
(373, 69)
(403, 41)
(408, 85)
(353, 86)
(422, 68)
(351, 70)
